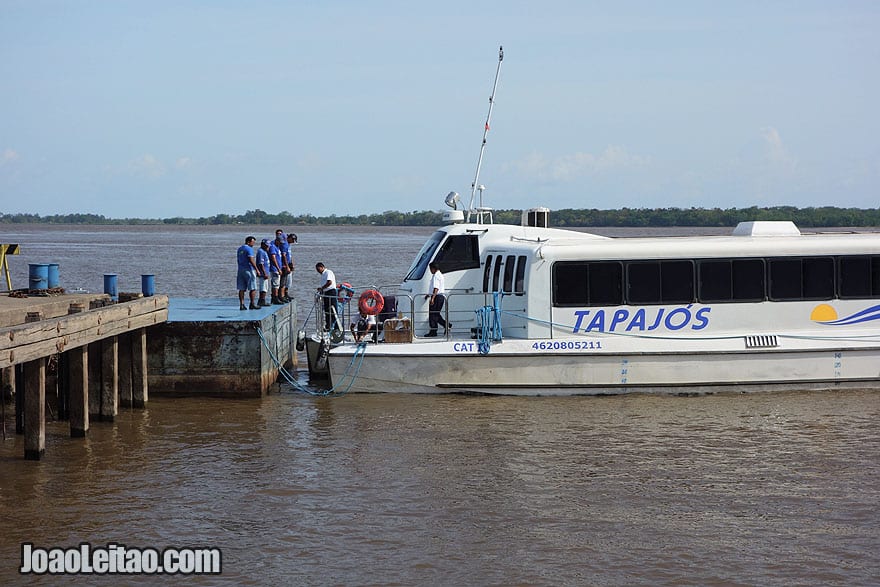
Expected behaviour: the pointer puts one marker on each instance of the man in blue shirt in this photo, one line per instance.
(284, 249)
(275, 271)
(263, 268)
(247, 273)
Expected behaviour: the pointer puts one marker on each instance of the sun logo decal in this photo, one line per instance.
(825, 314)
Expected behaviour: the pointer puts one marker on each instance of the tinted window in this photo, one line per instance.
(460, 251)
(859, 277)
(509, 266)
(519, 284)
(809, 278)
(420, 264)
(486, 272)
(726, 280)
(786, 276)
(605, 284)
(578, 283)
(677, 281)
(496, 273)
(570, 284)
(748, 280)
(716, 281)
(818, 278)
(643, 282)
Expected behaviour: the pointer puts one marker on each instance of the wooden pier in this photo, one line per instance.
(101, 353)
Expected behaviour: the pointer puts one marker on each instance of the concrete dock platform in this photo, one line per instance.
(210, 347)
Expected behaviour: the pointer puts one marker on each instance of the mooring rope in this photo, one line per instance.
(358, 355)
(489, 324)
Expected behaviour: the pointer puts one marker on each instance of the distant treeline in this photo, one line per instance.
(806, 217)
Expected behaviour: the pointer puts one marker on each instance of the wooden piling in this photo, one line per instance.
(78, 368)
(19, 398)
(35, 409)
(139, 390)
(109, 378)
(62, 384)
(124, 362)
(94, 377)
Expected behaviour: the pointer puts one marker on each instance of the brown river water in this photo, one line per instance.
(761, 489)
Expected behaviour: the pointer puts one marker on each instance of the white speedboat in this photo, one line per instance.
(543, 311)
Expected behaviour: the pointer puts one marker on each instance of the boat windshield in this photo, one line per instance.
(420, 264)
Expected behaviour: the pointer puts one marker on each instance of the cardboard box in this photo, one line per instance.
(397, 330)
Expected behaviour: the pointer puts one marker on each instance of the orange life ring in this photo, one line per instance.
(371, 302)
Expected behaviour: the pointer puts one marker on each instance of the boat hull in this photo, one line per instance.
(510, 369)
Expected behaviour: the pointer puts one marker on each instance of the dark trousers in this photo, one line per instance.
(434, 316)
(329, 302)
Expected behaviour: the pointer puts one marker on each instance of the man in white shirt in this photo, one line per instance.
(437, 296)
(328, 293)
(364, 326)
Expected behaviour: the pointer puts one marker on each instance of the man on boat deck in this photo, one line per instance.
(363, 326)
(437, 296)
(247, 273)
(328, 293)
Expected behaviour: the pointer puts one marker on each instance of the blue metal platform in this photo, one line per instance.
(214, 310)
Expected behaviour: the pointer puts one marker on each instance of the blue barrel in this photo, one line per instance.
(38, 275)
(110, 286)
(53, 275)
(148, 285)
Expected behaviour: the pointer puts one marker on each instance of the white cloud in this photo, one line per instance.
(147, 166)
(183, 163)
(8, 156)
(775, 153)
(566, 168)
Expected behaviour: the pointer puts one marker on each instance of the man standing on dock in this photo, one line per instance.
(284, 254)
(263, 268)
(247, 273)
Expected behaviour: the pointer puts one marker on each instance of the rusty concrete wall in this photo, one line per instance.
(221, 357)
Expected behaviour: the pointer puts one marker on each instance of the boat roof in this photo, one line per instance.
(756, 239)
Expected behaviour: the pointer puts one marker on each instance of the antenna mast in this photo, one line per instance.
(476, 186)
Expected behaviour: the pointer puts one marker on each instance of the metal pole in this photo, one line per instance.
(483, 145)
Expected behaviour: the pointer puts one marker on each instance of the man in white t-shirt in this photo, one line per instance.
(437, 297)
(328, 293)
(363, 327)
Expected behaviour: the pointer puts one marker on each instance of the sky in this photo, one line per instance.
(159, 109)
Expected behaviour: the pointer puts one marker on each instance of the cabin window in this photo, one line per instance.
(486, 272)
(519, 285)
(655, 282)
(509, 266)
(728, 280)
(796, 278)
(859, 277)
(497, 273)
(577, 283)
(459, 252)
(420, 264)
(606, 284)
